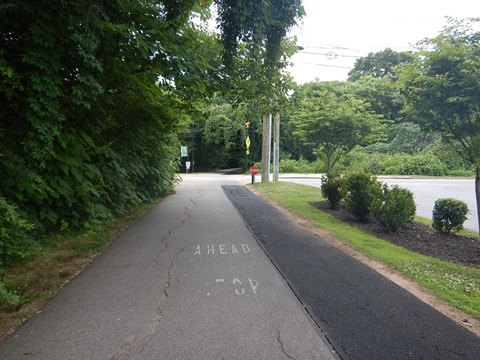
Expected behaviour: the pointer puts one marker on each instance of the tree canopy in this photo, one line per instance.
(95, 94)
(334, 121)
(379, 64)
(442, 88)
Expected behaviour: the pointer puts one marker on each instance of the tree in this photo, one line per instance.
(256, 54)
(95, 93)
(379, 64)
(220, 135)
(382, 93)
(334, 121)
(442, 87)
(261, 25)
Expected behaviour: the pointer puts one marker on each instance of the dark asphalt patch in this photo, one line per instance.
(364, 315)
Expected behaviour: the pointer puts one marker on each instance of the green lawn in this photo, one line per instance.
(456, 284)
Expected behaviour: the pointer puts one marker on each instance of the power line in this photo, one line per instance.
(329, 55)
(327, 65)
(332, 55)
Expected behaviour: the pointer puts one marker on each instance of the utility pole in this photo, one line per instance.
(193, 145)
(266, 133)
(276, 147)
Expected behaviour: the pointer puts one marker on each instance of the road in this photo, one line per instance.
(425, 192)
(188, 281)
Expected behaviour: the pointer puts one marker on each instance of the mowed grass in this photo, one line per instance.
(456, 284)
(34, 280)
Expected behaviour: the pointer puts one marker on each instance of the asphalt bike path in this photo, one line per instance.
(187, 281)
(364, 315)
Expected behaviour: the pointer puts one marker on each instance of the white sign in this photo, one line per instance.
(187, 164)
(184, 151)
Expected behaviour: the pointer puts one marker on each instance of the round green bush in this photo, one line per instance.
(361, 190)
(332, 190)
(449, 215)
(394, 208)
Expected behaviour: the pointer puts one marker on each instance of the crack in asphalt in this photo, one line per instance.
(158, 317)
(167, 284)
(168, 235)
(125, 349)
(282, 346)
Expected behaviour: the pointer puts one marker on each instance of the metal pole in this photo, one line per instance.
(269, 144)
(276, 148)
(265, 150)
(193, 145)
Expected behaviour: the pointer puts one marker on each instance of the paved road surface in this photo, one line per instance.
(188, 281)
(365, 316)
(425, 192)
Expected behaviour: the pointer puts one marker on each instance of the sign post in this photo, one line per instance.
(254, 171)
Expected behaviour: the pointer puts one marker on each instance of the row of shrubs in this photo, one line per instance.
(392, 206)
(424, 164)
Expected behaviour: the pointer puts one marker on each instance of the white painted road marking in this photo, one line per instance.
(222, 249)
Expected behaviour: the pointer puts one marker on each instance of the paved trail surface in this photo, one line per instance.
(188, 281)
(365, 316)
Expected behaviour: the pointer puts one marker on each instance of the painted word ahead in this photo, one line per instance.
(222, 249)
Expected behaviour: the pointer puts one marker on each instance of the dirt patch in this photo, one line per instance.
(416, 237)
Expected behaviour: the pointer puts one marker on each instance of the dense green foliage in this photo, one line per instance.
(95, 96)
(333, 189)
(262, 25)
(333, 121)
(442, 88)
(449, 215)
(87, 130)
(395, 86)
(394, 208)
(219, 135)
(15, 232)
(361, 190)
(379, 64)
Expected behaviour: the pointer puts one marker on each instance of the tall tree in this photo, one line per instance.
(382, 93)
(442, 87)
(334, 121)
(256, 53)
(94, 94)
(379, 64)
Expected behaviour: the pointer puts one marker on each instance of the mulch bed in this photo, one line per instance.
(416, 237)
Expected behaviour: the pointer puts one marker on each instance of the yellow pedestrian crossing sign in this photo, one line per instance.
(247, 142)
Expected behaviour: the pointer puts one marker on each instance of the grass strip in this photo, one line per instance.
(456, 284)
(28, 283)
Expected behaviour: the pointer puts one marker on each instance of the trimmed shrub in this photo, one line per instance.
(394, 208)
(361, 190)
(332, 189)
(449, 215)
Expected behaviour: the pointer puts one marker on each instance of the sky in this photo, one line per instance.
(340, 31)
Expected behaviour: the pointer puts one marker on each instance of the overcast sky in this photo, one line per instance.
(342, 30)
